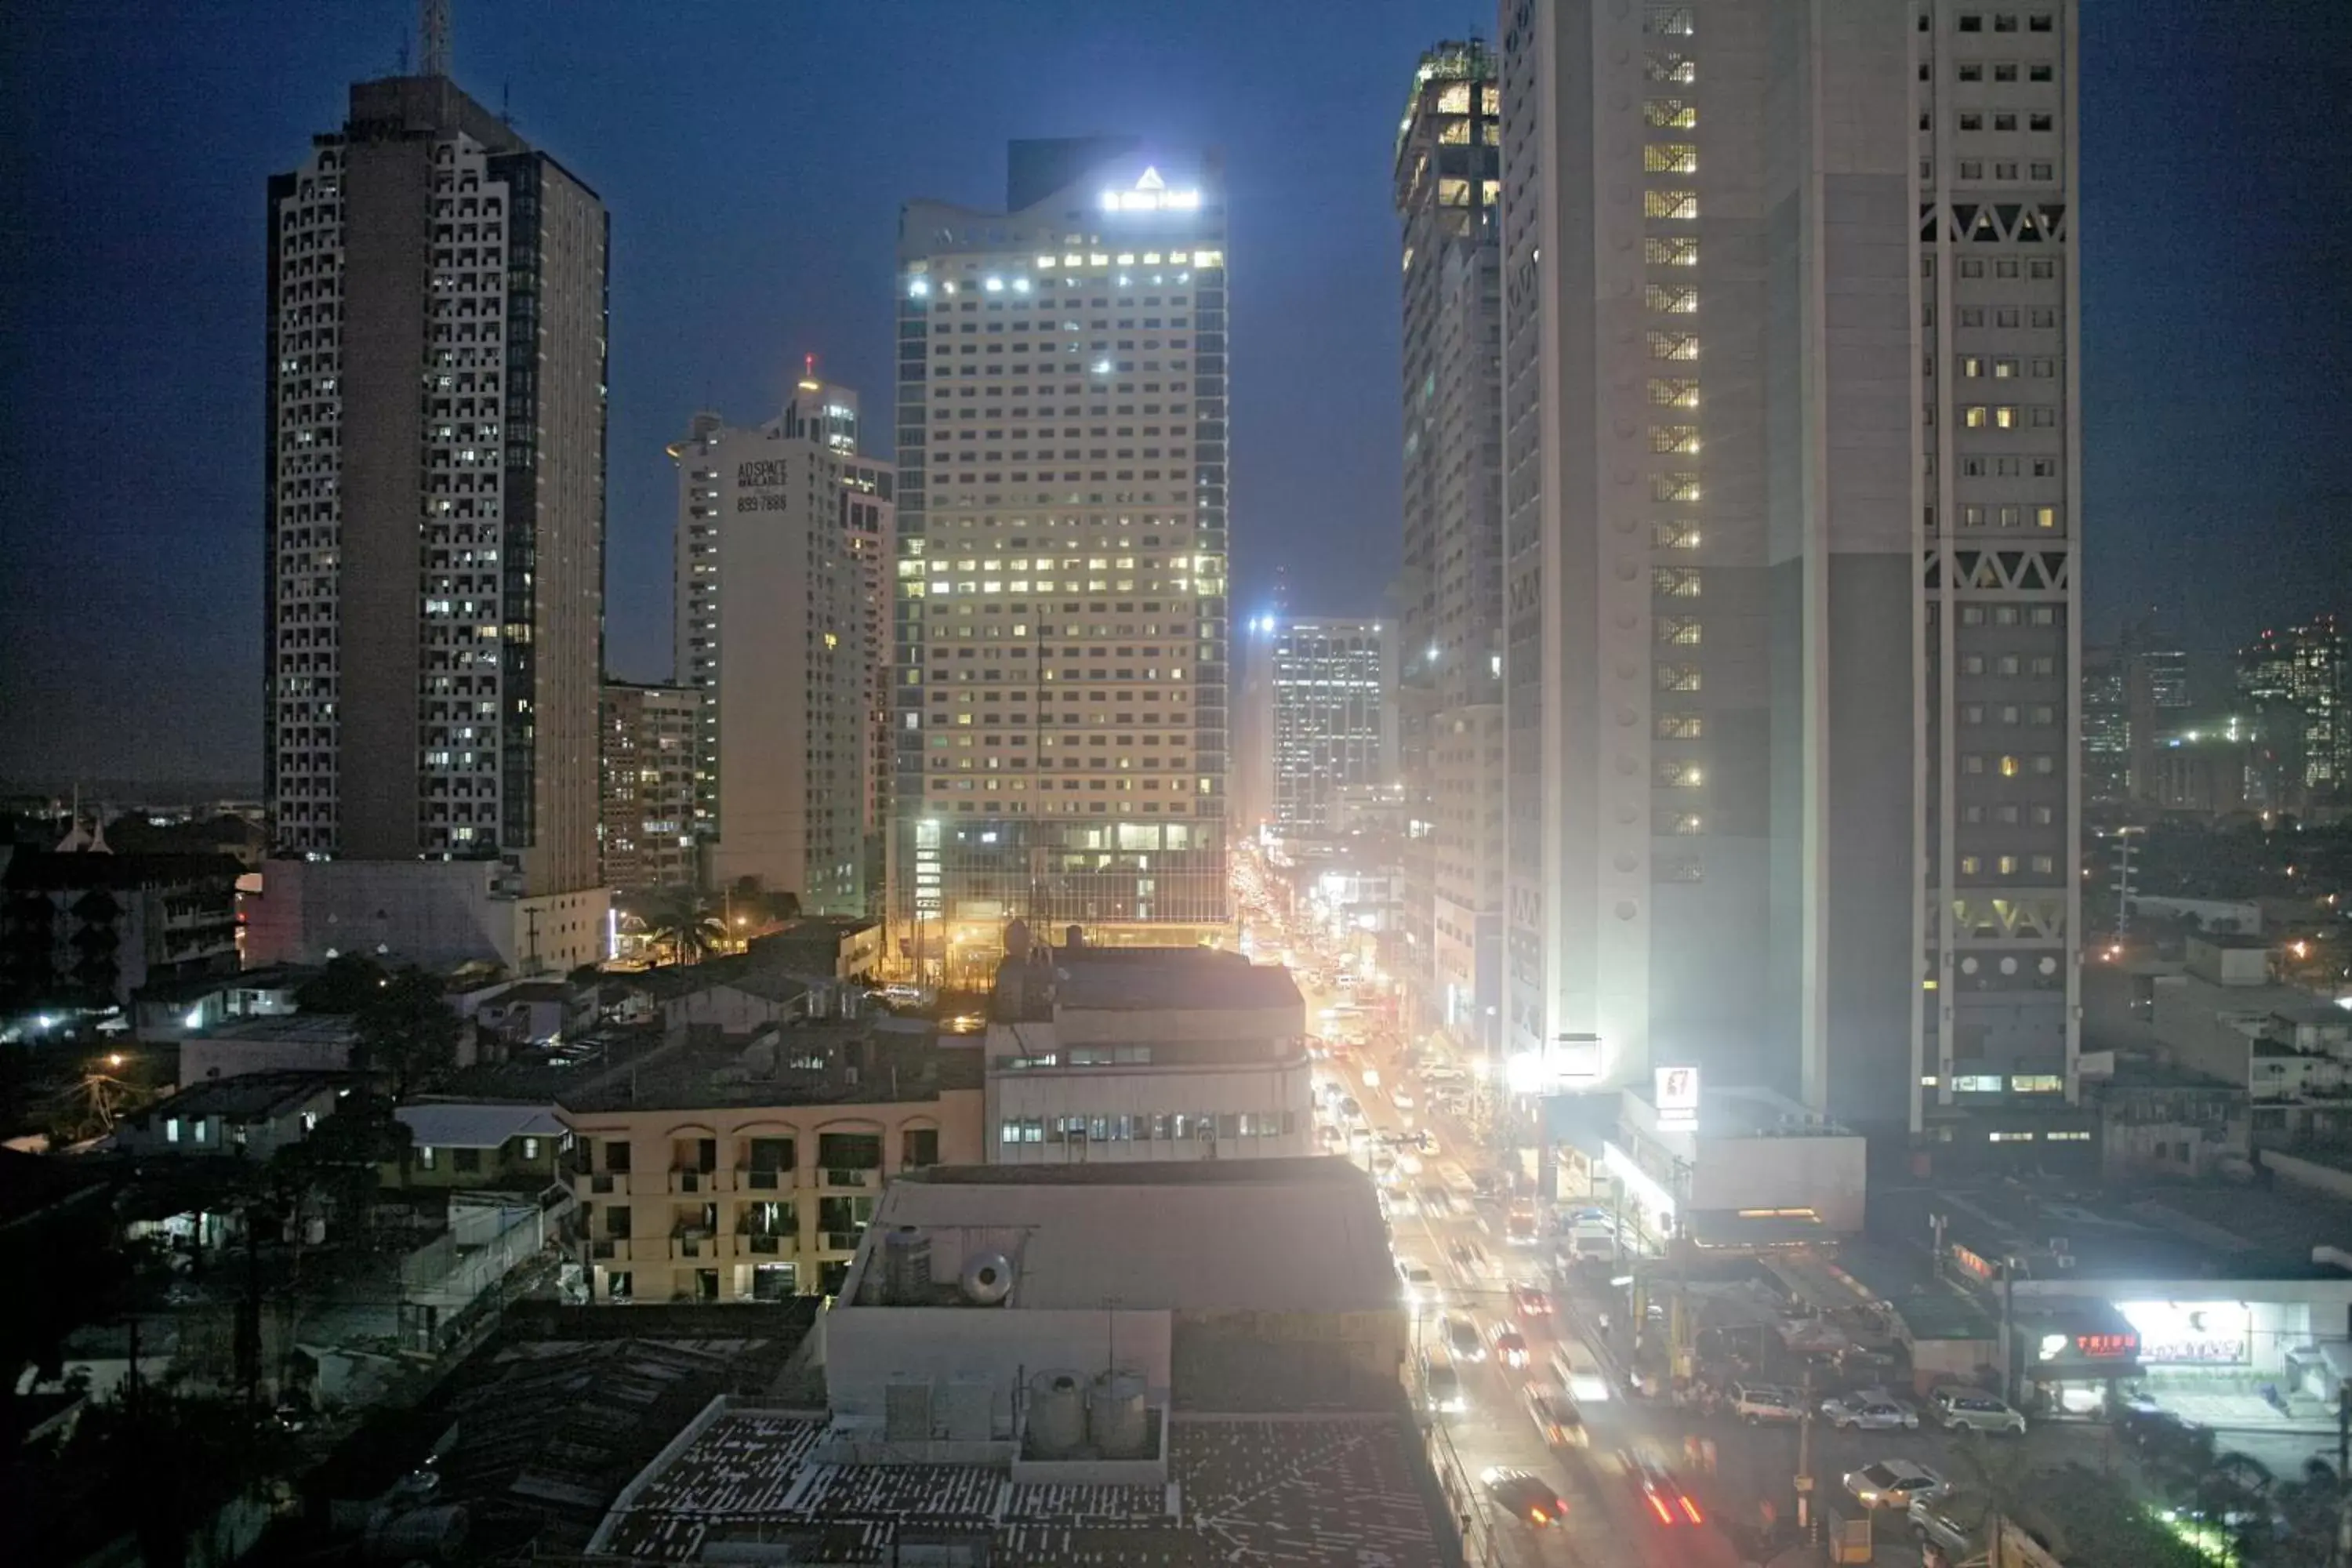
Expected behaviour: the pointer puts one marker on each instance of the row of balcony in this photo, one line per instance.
(655, 1183)
(696, 1247)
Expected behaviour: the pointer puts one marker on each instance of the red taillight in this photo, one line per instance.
(1658, 1506)
(1691, 1510)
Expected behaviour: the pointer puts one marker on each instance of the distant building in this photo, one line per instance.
(434, 522)
(2107, 728)
(435, 914)
(2294, 686)
(240, 1047)
(784, 533)
(172, 1009)
(1141, 1054)
(1333, 713)
(841, 947)
(745, 1165)
(646, 835)
(82, 923)
(250, 1116)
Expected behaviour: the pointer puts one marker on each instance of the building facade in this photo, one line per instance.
(2292, 685)
(1184, 1054)
(1060, 714)
(647, 833)
(1737, 573)
(1450, 644)
(84, 925)
(782, 533)
(1334, 723)
(435, 484)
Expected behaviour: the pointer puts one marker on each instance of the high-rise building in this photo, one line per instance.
(1448, 184)
(783, 535)
(434, 510)
(1791, 487)
(2107, 727)
(647, 834)
(2297, 683)
(1060, 707)
(1333, 727)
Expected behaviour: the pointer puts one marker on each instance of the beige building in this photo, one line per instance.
(747, 1167)
(782, 530)
(1131, 1054)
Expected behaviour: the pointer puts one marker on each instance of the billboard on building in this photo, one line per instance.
(1676, 1096)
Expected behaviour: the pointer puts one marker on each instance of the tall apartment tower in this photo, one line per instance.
(1333, 724)
(433, 517)
(1450, 650)
(646, 837)
(783, 535)
(2296, 682)
(1791, 495)
(1061, 704)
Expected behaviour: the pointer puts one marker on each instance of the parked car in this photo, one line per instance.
(1895, 1483)
(1761, 1403)
(1461, 1337)
(1869, 1410)
(1442, 1386)
(1958, 1408)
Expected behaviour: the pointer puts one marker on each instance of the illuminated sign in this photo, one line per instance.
(2107, 1347)
(1972, 1263)
(1150, 195)
(1677, 1096)
(2193, 1333)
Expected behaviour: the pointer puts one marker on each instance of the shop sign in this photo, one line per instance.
(1973, 1264)
(2107, 1347)
(1677, 1096)
(2193, 1333)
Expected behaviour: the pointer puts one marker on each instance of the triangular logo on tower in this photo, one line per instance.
(1151, 180)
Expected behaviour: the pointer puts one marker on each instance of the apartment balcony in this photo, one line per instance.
(701, 1246)
(768, 1246)
(839, 1240)
(866, 1180)
(611, 1249)
(702, 1180)
(588, 1184)
(765, 1181)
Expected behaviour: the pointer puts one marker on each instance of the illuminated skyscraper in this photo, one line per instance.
(1448, 176)
(1793, 482)
(1062, 622)
(1333, 724)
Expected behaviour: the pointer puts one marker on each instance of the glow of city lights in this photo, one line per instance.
(917, 287)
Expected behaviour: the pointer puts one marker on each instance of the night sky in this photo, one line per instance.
(753, 157)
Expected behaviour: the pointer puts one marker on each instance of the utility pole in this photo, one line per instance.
(2343, 1472)
(1805, 1457)
(2009, 1328)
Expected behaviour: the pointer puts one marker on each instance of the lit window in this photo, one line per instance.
(1681, 206)
(1976, 1083)
(1678, 251)
(1674, 393)
(1669, 113)
(1976, 415)
(2008, 767)
(1673, 345)
(1670, 158)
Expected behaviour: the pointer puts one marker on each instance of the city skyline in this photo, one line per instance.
(154, 657)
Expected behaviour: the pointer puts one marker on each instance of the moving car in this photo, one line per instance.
(1759, 1402)
(1895, 1483)
(1420, 1281)
(1349, 1108)
(1557, 1416)
(1524, 1496)
(1869, 1410)
(1510, 1346)
(1662, 1494)
(1956, 1408)
(1531, 1301)
(1442, 1386)
(1461, 1337)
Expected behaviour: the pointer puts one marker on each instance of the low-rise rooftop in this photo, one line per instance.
(874, 1060)
(287, 1028)
(2151, 1231)
(1307, 1490)
(475, 1124)
(251, 1097)
(1163, 978)
(1278, 1235)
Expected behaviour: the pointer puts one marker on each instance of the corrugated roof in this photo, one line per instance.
(476, 1125)
(1176, 977)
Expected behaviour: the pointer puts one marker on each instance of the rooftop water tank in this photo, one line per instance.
(1057, 1415)
(1120, 1426)
(987, 1279)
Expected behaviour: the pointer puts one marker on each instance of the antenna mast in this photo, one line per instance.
(433, 27)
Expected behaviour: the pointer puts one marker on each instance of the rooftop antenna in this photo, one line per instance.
(433, 29)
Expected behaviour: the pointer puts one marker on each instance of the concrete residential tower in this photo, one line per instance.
(435, 531)
(1450, 651)
(784, 532)
(1061, 717)
(1791, 497)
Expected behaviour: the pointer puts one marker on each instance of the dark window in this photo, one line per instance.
(468, 1159)
(616, 1221)
(616, 1156)
(849, 1151)
(919, 1146)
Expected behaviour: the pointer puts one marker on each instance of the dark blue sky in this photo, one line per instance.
(753, 157)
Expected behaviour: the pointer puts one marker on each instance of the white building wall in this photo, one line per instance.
(1117, 1103)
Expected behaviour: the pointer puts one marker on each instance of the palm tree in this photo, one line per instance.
(681, 919)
